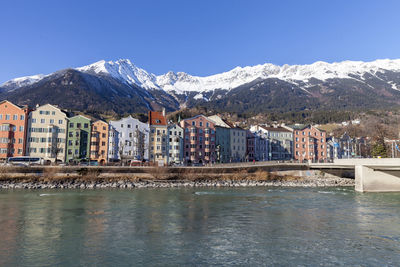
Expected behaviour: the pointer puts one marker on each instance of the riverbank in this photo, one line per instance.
(141, 183)
(140, 177)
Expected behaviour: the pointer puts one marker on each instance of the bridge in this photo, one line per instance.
(371, 175)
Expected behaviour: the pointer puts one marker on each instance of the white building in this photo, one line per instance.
(128, 140)
(175, 144)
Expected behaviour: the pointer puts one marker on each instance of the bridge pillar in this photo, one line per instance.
(370, 179)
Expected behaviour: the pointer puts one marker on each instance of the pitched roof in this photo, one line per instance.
(18, 106)
(200, 115)
(157, 118)
(303, 126)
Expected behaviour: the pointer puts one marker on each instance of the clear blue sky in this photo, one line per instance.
(199, 37)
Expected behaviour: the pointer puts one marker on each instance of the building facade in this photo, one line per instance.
(158, 137)
(237, 140)
(199, 141)
(175, 144)
(222, 144)
(310, 143)
(99, 142)
(261, 146)
(238, 144)
(78, 139)
(250, 148)
(13, 129)
(47, 133)
(128, 140)
(280, 141)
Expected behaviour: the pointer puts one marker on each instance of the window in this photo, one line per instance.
(60, 121)
(21, 128)
(15, 117)
(7, 117)
(193, 123)
(1, 116)
(78, 125)
(42, 121)
(122, 125)
(52, 121)
(129, 126)
(201, 124)
(53, 113)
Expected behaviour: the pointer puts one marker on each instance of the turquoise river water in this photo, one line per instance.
(199, 226)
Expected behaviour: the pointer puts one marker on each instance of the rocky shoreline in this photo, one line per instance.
(102, 184)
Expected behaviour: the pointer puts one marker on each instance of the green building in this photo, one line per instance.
(223, 144)
(78, 139)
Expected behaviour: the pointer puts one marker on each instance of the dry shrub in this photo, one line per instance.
(4, 170)
(160, 173)
(89, 174)
(49, 174)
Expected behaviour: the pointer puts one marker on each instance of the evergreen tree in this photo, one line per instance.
(379, 149)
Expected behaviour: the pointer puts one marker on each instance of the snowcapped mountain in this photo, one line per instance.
(20, 82)
(124, 71)
(180, 82)
(260, 88)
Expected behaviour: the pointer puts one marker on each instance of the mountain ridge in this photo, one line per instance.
(180, 82)
(122, 87)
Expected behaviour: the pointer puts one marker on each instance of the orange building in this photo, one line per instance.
(13, 127)
(99, 142)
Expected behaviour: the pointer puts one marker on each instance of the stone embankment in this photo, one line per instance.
(126, 177)
(98, 184)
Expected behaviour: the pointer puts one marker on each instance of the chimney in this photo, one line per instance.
(163, 112)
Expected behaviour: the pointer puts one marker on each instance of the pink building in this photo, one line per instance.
(309, 144)
(199, 140)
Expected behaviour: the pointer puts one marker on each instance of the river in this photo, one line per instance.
(199, 226)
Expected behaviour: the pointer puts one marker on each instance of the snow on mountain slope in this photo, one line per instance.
(22, 81)
(122, 70)
(320, 70)
(180, 82)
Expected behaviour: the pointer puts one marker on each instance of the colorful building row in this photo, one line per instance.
(56, 135)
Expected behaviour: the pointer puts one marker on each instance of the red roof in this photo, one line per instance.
(157, 118)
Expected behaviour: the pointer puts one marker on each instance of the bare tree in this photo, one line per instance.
(55, 149)
(121, 152)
